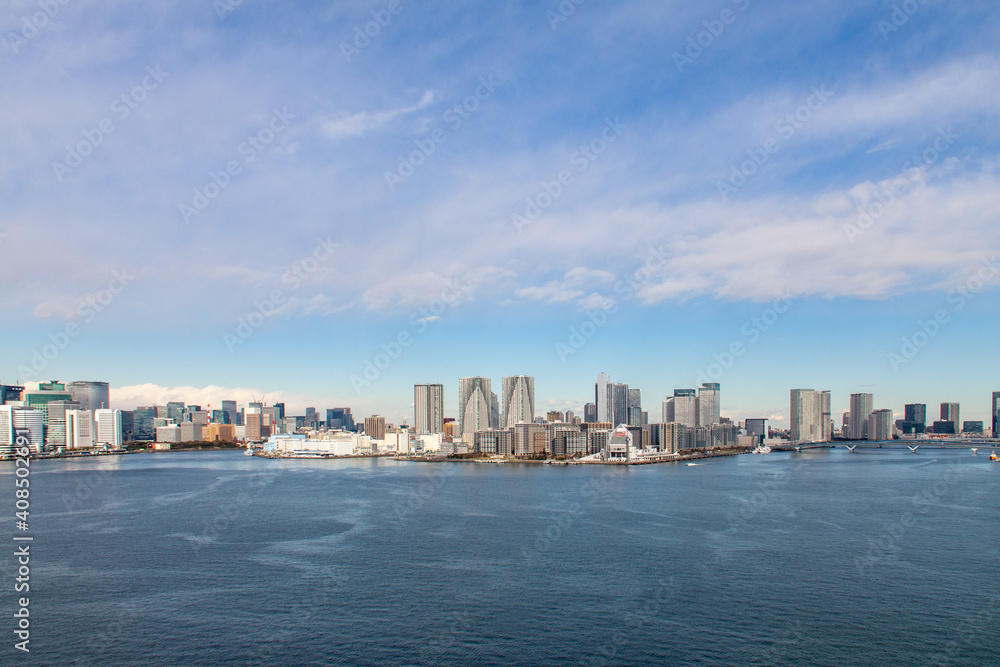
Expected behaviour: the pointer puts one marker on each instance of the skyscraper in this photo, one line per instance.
(685, 404)
(428, 408)
(880, 425)
(619, 403)
(914, 418)
(861, 410)
(667, 411)
(708, 403)
(634, 407)
(590, 413)
(996, 414)
(475, 406)
(90, 395)
(229, 407)
(518, 400)
(949, 413)
(602, 397)
(809, 415)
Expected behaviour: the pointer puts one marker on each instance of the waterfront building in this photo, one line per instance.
(218, 433)
(809, 415)
(619, 403)
(880, 425)
(944, 428)
(861, 410)
(996, 414)
(428, 408)
(914, 418)
(79, 429)
(973, 428)
(375, 427)
(756, 428)
(590, 413)
(949, 413)
(619, 447)
(518, 400)
(191, 432)
(709, 403)
(497, 443)
(108, 425)
(475, 407)
(17, 421)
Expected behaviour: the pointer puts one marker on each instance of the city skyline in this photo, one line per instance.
(364, 218)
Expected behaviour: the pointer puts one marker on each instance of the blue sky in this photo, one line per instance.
(235, 162)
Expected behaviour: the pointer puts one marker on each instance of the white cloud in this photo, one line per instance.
(358, 124)
(571, 288)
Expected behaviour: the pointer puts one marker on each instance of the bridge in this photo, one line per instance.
(914, 445)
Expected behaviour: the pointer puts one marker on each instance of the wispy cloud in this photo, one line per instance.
(357, 125)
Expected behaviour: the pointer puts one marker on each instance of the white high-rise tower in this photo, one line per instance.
(518, 400)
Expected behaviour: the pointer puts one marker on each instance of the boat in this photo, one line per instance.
(761, 449)
(993, 456)
(248, 451)
(692, 464)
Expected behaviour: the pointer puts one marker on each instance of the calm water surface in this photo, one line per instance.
(213, 558)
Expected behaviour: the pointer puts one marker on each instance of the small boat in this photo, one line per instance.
(692, 464)
(248, 452)
(993, 456)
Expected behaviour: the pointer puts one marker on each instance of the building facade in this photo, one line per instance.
(428, 408)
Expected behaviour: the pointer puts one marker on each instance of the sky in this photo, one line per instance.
(327, 202)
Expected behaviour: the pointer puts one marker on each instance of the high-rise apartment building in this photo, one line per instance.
(861, 410)
(375, 427)
(949, 413)
(590, 413)
(880, 425)
(428, 408)
(475, 406)
(602, 398)
(996, 414)
(709, 403)
(809, 415)
(518, 400)
(619, 403)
